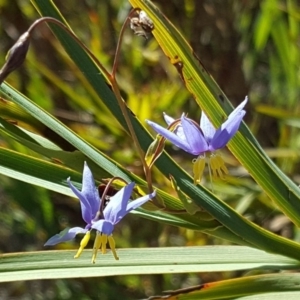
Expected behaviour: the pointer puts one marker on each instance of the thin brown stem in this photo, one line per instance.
(103, 196)
(123, 105)
(118, 49)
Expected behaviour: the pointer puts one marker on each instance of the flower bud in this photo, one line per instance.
(16, 56)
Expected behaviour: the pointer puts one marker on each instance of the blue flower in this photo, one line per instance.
(117, 208)
(103, 223)
(89, 202)
(202, 140)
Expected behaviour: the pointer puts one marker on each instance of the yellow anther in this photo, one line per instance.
(97, 245)
(218, 166)
(103, 243)
(112, 246)
(198, 168)
(83, 243)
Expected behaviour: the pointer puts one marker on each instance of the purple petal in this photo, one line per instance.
(207, 127)
(227, 131)
(238, 108)
(178, 130)
(104, 226)
(86, 209)
(89, 190)
(116, 208)
(139, 202)
(168, 119)
(172, 137)
(65, 235)
(195, 139)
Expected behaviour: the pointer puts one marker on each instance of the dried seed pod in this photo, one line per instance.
(141, 25)
(145, 22)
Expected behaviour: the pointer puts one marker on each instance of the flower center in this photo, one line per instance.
(215, 163)
(217, 166)
(100, 243)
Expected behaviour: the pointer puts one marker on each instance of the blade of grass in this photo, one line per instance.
(250, 285)
(44, 117)
(61, 264)
(36, 171)
(41, 145)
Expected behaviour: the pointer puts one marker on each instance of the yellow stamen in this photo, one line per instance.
(112, 246)
(97, 245)
(218, 166)
(83, 243)
(198, 168)
(103, 243)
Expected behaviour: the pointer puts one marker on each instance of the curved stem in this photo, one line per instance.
(118, 49)
(123, 106)
(108, 185)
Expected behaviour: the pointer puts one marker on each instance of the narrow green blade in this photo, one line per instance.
(250, 285)
(61, 264)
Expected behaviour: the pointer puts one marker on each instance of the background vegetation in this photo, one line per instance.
(249, 47)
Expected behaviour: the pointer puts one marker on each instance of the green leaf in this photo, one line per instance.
(268, 16)
(250, 285)
(43, 146)
(273, 296)
(108, 167)
(36, 171)
(188, 204)
(61, 264)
